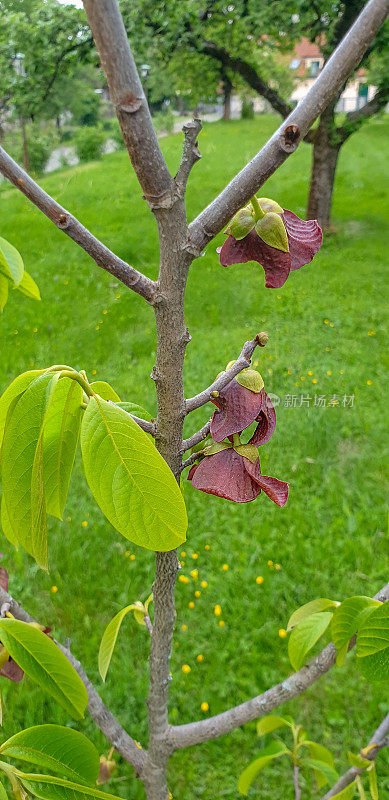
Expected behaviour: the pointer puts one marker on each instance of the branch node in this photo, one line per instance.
(290, 138)
(63, 221)
(190, 154)
(262, 339)
(129, 103)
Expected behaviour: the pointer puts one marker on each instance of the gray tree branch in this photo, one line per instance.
(379, 740)
(285, 140)
(243, 361)
(190, 154)
(65, 221)
(108, 724)
(128, 97)
(197, 437)
(182, 736)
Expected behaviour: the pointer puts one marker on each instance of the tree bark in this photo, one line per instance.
(26, 158)
(227, 91)
(324, 161)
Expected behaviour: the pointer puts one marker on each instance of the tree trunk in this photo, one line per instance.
(324, 161)
(227, 90)
(26, 158)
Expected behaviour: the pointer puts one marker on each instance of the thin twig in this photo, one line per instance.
(182, 736)
(190, 153)
(287, 137)
(189, 461)
(67, 223)
(197, 437)
(297, 790)
(148, 427)
(242, 362)
(108, 724)
(379, 739)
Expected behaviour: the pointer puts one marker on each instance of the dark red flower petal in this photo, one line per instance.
(12, 671)
(192, 471)
(266, 423)
(239, 408)
(305, 238)
(278, 491)
(275, 262)
(224, 475)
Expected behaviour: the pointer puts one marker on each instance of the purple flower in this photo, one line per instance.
(230, 475)
(274, 237)
(238, 407)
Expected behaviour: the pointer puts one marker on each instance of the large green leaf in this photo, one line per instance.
(4, 284)
(28, 287)
(11, 263)
(60, 438)
(326, 770)
(130, 481)
(56, 748)
(49, 788)
(16, 388)
(271, 723)
(3, 793)
(22, 459)
(6, 526)
(108, 640)
(274, 750)
(104, 390)
(44, 662)
(346, 620)
(305, 636)
(373, 785)
(320, 753)
(313, 607)
(373, 644)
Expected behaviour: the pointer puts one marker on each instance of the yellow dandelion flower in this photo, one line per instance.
(221, 623)
(184, 627)
(326, 322)
(118, 297)
(54, 589)
(132, 557)
(127, 554)
(204, 707)
(195, 574)
(255, 363)
(204, 584)
(183, 554)
(68, 519)
(270, 371)
(217, 610)
(15, 333)
(191, 604)
(183, 579)
(331, 324)
(207, 547)
(195, 555)
(310, 372)
(35, 330)
(328, 349)
(225, 567)
(186, 669)
(282, 633)
(289, 372)
(371, 333)
(94, 371)
(269, 563)
(277, 566)
(97, 328)
(369, 383)
(197, 593)
(340, 372)
(259, 580)
(84, 523)
(329, 372)
(314, 380)
(200, 658)
(105, 311)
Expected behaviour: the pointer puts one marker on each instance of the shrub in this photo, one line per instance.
(164, 121)
(247, 109)
(89, 143)
(39, 149)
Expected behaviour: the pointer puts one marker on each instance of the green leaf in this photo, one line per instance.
(345, 622)
(327, 771)
(59, 749)
(108, 640)
(248, 451)
(129, 479)
(44, 662)
(372, 775)
(216, 447)
(251, 379)
(61, 430)
(305, 636)
(11, 263)
(361, 791)
(4, 283)
(104, 390)
(347, 793)
(22, 460)
(48, 787)
(16, 388)
(356, 760)
(135, 410)
(6, 526)
(274, 750)
(320, 753)
(271, 723)
(3, 793)
(313, 607)
(373, 644)
(28, 287)
(271, 229)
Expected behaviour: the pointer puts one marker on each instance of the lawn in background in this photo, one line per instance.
(326, 335)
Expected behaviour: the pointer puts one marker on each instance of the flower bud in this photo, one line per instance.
(271, 229)
(107, 768)
(241, 224)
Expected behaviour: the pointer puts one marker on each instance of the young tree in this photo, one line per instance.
(49, 407)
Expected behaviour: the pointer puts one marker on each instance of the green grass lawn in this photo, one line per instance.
(326, 329)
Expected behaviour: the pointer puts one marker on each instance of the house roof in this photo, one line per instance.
(306, 49)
